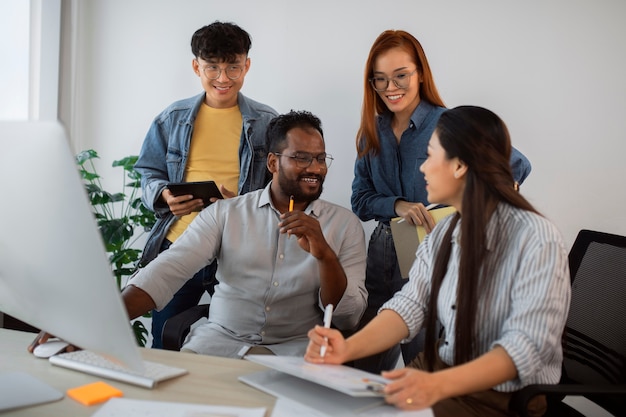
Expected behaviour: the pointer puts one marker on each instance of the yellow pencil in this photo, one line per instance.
(291, 203)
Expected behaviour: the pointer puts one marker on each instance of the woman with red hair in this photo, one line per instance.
(401, 106)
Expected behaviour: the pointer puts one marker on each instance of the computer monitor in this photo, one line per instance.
(54, 272)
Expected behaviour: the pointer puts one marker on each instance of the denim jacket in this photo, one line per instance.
(165, 150)
(393, 174)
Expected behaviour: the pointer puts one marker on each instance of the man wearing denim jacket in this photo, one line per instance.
(218, 135)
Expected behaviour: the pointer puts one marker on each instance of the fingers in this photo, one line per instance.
(428, 221)
(299, 223)
(408, 389)
(420, 216)
(42, 337)
(399, 395)
(184, 204)
(316, 341)
(395, 373)
(320, 336)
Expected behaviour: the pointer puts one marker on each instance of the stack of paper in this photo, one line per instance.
(314, 390)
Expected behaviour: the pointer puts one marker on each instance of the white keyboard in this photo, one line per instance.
(91, 363)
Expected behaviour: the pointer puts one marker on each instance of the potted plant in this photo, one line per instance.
(121, 217)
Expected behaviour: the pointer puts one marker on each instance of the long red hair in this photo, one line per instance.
(367, 139)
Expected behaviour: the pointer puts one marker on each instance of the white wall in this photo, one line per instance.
(555, 71)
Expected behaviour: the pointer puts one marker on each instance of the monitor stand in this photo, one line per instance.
(19, 389)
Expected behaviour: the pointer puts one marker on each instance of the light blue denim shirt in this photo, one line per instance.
(165, 150)
(393, 174)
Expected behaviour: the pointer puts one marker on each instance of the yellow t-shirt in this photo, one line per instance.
(213, 154)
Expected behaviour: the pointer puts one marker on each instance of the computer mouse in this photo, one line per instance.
(50, 348)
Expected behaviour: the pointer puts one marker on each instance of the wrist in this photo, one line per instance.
(397, 207)
(327, 255)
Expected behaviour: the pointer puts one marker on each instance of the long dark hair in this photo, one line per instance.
(480, 139)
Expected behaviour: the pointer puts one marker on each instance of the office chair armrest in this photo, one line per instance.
(176, 328)
(519, 401)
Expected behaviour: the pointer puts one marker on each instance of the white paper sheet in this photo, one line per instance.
(125, 407)
(286, 407)
(350, 381)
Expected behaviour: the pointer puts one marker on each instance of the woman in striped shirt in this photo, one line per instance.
(498, 282)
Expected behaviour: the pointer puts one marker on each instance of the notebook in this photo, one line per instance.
(324, 400)
(407, 238)
(350, 381)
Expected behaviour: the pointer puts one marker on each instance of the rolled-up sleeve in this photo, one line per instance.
(192, 251)
(352, 257)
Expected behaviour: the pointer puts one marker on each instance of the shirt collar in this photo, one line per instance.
(420, 114)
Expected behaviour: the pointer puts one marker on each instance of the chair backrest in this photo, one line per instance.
(595, 333)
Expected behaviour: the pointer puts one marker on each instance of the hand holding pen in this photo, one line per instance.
(308, 231)
(417, 214)
(328, 318)
(326, 345)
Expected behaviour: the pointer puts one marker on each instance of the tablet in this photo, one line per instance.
(200, 189)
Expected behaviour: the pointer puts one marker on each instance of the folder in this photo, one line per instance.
(406, 238)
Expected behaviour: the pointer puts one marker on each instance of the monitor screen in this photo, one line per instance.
(54, 271)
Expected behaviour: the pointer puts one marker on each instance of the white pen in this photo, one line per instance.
(428, 207)
(328, 317)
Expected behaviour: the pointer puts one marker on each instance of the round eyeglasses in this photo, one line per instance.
(304, 160)
(402, 80)
(213, 72)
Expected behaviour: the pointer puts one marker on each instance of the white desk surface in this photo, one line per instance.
(211, 380)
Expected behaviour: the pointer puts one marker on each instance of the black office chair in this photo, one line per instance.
(176, 328)
(594, 342)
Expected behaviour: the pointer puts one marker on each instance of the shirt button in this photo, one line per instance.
(275, 283)
(281, 256)
(445, 343)
(268, 308)
(453, 306)
(263, 333)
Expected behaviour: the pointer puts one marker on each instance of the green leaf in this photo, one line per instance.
(85, 156)
(141, 333)
(128, 163)
(117, 197)
(115, 233)
(89, 176)
(118, 230)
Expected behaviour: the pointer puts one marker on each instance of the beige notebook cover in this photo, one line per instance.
(407, 238)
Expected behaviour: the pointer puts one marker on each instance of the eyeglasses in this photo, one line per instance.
(304, 160)
(402, 80)
(213, 72)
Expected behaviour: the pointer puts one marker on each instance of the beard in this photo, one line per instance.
(292, 187)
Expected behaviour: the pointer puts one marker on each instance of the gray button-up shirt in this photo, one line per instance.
(268, 292)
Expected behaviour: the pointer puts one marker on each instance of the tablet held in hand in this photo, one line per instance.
(199, 189)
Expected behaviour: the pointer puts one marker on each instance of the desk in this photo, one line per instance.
(211, 380)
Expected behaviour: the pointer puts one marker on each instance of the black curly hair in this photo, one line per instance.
(220, 40)
(279, 126)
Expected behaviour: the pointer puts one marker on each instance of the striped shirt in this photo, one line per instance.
(525, 302)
